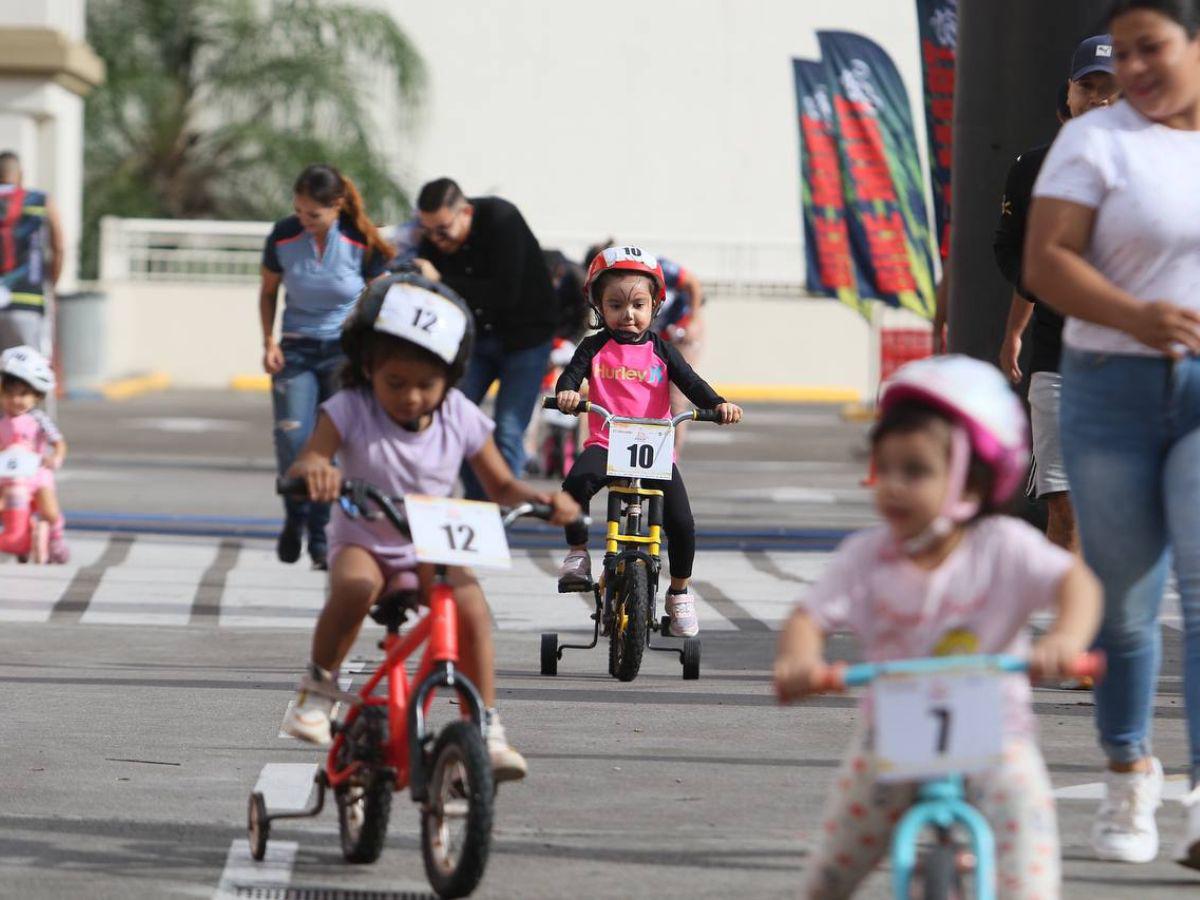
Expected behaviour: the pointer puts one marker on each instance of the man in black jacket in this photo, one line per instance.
(482, 248)
(1091, 84)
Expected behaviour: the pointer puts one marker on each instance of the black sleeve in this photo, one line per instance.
(374, 264)
(574, 373)
(270, 258)
(509, 241)
(1009, 241)
(684, 377)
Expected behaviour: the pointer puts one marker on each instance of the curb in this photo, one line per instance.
(255, 383)
(123, 388)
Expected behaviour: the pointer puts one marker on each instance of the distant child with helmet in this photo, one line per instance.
(400, 424)
(945, 575)
(25, 379)
(629, 370)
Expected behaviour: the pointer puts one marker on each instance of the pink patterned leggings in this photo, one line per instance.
(860, 814)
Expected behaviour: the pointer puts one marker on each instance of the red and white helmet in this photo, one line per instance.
(625, 259)
(977, 398)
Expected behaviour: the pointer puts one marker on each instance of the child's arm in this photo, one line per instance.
(53, 438)
(503, 487)
(315, 462)
(695, 388)
(799, 661)
(1079, 604)
(58, 453)
(566, 389)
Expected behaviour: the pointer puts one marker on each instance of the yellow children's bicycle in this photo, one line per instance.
(628, 587)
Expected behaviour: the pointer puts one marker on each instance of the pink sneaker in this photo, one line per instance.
(60, 553)
(682, 610)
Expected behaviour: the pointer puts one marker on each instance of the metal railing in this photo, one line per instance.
(231, 252)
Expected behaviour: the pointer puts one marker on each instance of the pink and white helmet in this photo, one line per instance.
(977, 398)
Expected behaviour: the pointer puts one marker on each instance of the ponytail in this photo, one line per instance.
(326, 185)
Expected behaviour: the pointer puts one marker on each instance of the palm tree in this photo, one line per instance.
(212, 107)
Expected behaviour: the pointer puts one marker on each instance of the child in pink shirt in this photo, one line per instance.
(945, 576)
(25, 379)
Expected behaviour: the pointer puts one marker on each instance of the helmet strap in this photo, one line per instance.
(957, 509)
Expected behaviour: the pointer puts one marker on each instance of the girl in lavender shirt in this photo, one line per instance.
(400, 424)
(943, 576)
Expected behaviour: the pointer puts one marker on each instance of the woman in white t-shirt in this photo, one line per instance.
(1114, 244)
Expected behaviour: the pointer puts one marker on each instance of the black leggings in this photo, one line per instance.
(587, 477)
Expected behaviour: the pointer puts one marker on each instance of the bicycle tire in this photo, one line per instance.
(939, 874)
(461, 772)
(633, 602)
(365, 805)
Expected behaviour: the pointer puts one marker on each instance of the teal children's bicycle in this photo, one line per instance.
(935, 722)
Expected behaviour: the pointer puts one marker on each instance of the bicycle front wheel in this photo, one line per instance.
(631, 621)
(456, 822)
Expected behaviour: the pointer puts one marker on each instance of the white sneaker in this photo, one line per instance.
(1188, 851)
(682, 610)
(1124, 829)
(308, 717)
(507, 763)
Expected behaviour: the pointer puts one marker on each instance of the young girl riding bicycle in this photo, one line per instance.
(944, 576)
(400, 424)
(629, 371)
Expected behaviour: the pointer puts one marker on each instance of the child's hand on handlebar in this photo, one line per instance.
(566, 510)
(1054, 656)
(730, 413)
(798, 677)
(568, 401)
(324, 480)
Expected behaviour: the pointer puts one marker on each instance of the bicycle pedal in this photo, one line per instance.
(575, 587)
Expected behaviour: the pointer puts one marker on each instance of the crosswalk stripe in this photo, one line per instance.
(78, 595)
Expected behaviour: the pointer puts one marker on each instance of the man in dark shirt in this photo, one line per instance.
(1091, 84)
(482, 248)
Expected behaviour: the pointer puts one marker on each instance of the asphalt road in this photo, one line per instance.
(145, 684)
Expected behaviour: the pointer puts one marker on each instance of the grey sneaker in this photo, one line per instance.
(576, 571)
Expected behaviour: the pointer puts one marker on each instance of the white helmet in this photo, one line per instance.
(30, 366)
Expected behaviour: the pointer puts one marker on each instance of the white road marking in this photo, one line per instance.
(241, 870)
(155, 585)
(286, 787)
(1175, 787)
(187, 424)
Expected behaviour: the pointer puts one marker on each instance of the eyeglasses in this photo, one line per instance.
(443, 231)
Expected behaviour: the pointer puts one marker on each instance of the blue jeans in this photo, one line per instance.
(309, 377)
(520, 373)
(1131, 443)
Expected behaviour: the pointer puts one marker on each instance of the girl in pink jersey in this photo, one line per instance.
(629, 371)
(25, 379)
(400, 424)
(945, 576)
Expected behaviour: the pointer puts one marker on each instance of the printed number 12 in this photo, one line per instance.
(464, 532)
(641, 456)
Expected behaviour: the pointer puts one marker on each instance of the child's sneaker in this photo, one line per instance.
(60, 553)
(682, 610)
(507, 763)
(575, 572)
(308, 717)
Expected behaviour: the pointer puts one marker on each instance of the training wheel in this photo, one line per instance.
(258, 826)
(691, 659)
(550, 653)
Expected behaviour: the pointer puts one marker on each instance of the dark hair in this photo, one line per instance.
(911, 416)
(1184, 13)
(7, 380)
(439, 193)
(329, 187)
(373, 348)
(1064, 108)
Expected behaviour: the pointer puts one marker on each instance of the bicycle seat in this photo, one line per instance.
(400, 595)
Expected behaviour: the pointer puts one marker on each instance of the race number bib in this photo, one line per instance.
(641, 451)
(457, 532)
(927, 726)
(18, 463)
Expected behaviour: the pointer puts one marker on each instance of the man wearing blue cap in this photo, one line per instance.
(1091, 84)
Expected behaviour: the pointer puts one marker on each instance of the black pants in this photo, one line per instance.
(587, 477)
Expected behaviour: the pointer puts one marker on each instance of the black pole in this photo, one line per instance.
(1012, 57)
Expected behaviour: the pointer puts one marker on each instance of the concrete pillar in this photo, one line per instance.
(1012, 57)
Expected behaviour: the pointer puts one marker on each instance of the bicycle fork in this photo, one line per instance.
(940, 804)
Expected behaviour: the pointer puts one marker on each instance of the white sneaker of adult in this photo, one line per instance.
(1187, 853)
(1124, 829)
(682, 610)
(507, 763)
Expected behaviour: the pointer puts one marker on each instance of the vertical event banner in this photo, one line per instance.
(830, 269)
(939, 41)
(882, 175)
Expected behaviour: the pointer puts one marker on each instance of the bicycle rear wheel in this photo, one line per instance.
(631, 621)
(456, 821)
(364, 803)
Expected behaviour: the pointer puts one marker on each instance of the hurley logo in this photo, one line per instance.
(653, 375)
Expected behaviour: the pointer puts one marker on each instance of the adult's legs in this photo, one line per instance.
(327, 369)
(294, 393)
(21, 327)
(483, 368)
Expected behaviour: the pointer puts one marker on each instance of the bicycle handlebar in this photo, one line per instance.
(692, 415)
(839, 676)
(358, 492)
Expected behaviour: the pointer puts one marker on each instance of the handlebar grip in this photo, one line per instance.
(1092, 664)
(832, 679)
(291, 487)
(552, 403)
(706, 415)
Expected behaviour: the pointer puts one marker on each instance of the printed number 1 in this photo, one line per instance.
(641, 456)
(943, 716)
(463, 533)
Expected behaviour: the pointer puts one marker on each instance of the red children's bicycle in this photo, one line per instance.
(383, 743)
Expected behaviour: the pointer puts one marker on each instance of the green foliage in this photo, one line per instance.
(212, 107)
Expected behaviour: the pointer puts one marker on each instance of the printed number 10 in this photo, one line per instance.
(641, 456)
